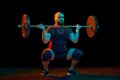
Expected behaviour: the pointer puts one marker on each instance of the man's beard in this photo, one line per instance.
(61, 23)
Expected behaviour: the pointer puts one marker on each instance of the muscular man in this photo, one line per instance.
(57, 36)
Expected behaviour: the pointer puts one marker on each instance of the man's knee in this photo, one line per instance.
(77, 54)
(46, 56)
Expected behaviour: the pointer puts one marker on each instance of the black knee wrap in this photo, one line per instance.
(46, 56)
(77, 54)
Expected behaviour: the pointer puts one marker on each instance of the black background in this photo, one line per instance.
(102, 50)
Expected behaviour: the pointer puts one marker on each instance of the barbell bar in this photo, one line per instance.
(35, 26)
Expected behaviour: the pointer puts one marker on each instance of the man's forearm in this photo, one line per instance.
(76, 36)
(45, 36)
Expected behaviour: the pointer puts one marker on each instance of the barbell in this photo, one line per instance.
(91, 26)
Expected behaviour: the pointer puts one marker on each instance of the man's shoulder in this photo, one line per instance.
(50, 27)
(68, 29)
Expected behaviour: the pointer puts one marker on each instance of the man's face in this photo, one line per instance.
(59, 18)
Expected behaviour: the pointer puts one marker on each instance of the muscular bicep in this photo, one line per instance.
(70, 34)
(50, 32)
(47, 35)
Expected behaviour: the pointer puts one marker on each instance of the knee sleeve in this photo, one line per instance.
(77, 54)
(46, 56)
